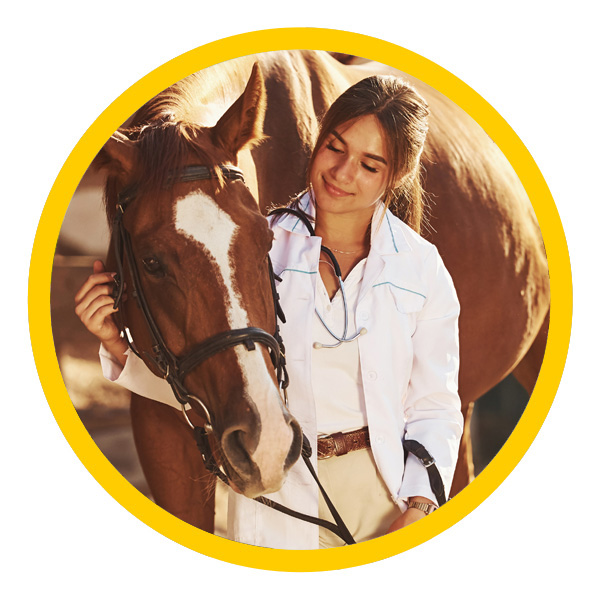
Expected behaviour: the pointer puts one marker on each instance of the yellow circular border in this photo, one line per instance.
(41, 272)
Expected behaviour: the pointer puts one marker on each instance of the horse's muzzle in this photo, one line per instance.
(257, 465)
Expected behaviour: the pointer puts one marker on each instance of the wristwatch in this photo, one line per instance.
(426, 507)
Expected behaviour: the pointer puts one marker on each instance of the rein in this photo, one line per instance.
(174, 369)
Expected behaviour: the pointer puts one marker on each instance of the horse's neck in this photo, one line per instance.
(301, 85)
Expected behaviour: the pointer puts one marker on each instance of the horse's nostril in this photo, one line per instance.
(234, 446)
(296, 446)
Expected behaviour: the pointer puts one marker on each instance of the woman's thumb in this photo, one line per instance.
(99, 266)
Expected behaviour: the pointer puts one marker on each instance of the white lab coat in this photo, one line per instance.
(408, 360)
(409, 368)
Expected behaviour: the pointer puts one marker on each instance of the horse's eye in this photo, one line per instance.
(153, 266)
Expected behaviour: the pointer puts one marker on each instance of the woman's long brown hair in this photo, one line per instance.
(403, 115)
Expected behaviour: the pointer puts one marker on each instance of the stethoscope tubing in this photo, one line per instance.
(343, 339)
(338, 273)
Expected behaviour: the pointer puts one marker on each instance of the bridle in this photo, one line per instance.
(174, 369)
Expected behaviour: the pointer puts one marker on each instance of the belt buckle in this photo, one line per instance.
(330, 445)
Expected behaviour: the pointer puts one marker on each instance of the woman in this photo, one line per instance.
(381, 353)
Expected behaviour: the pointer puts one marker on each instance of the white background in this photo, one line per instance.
(535, 62)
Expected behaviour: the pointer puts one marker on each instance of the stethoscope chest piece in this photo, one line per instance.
(340, 341)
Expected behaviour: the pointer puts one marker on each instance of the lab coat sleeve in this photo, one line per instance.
(136, 377)
(432, 405)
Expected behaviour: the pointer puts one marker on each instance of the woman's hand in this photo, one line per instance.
(406, 518)
(409, 516)
(94, 306)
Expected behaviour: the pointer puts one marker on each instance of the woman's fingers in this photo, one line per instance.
(97, 318)
(98, 291)
(91, 282)
(94, 303)
(100, 301)
(98, 267)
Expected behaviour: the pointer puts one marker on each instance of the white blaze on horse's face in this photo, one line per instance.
(199, 218)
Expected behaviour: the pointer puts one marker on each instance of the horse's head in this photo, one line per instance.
(200, 248)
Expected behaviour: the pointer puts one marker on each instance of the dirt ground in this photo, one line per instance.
(104, 407)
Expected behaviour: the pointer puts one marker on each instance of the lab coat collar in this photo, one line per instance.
(387, 235)
(292, 223)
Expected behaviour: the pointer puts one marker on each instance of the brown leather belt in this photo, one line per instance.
(338, 444)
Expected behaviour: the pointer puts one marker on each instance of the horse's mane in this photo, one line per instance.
(169, 128)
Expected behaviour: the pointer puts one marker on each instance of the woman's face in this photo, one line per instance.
(350, 169)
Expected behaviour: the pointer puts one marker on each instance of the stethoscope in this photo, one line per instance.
(338, 273)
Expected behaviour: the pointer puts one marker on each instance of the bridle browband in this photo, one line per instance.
(174, 369)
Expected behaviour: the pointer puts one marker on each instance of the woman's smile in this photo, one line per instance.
(333, 190)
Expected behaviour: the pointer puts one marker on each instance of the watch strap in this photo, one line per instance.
(426, 507)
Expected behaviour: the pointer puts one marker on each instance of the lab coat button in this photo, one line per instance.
(372, 375)
(364, 315)
(379, 439)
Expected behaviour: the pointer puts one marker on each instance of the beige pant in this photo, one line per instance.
(359, 494)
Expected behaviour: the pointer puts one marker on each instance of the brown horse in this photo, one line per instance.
(480, 219)
(195, 250)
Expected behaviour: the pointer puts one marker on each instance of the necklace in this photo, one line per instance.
(345, 251)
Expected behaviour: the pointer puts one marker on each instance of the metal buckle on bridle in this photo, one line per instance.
(167, 372)
(184, 411)
(185, 400)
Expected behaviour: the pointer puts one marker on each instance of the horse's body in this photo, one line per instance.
(481, 220)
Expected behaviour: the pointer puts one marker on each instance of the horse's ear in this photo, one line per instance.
(242, 125)
(117, 156)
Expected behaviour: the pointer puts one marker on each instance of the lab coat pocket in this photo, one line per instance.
(408, 298)
(409, 303)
